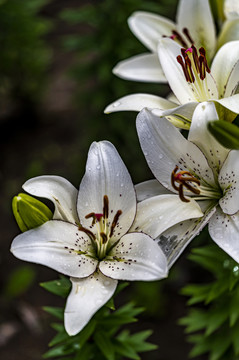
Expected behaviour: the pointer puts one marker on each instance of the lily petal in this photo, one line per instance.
(155, 137)
(174, 240)
(231, 9)
(179, 116)
(60, 191)
(229, 182)
(226, 59)
(229, 32)
(224, 231)
(58, 245)
(150, 188)
(136, 102)
(199, 135)
(106, 174)
(158, 213)
(138, 258)
(231, 103)
(144, 67)
(196, 16)
(148, 28)
(87, 296)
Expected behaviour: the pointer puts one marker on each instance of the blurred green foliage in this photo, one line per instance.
(19, 281)
(213, 319)
(108, 40)
(24, 55)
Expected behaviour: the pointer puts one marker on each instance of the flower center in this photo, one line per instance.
(195, 68)
(184, 179)
(101, 238)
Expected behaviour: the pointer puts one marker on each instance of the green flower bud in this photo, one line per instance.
(29, 212)
(227, 134)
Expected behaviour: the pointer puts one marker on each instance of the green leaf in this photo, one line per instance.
(59, 287)
(227, 134)
(29, 212)
(105, 345)
(55, 311)
(124, 315)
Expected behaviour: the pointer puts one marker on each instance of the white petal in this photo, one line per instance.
(149, 28)
(174, 240)
(150, 188)
(229, 182)
(106, 174)
(139, 258)
(224, 230)
(231, 103)
(143, 67)
(165, 148)
(56, 244)
(229, 32)
(87, 296)
(196, 16)
(60, 191)
(226, 58)
(158, 213)
(231, 9)
(180, 116)
(136, 102)
(199, 135)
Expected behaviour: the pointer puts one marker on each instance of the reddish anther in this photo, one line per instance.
(183, 180)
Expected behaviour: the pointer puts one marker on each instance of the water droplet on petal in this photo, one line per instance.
(116, 104)
(98, 167)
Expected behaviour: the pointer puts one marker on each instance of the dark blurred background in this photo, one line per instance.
(56, 58)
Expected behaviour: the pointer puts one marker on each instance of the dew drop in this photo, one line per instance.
(116, 104)
(160, 156)
(98, 167)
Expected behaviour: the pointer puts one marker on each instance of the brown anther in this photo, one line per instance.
(195, 58)
(185, 71)
(88, 232)
(114, 222)
(187, 34)
(179, 38)
(183, 180)
(95, 217)
(106, 207)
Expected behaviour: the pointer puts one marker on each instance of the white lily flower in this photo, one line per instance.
(230, 27)
(88, 238)
(191, 81)
(198, 168)
(194, 24)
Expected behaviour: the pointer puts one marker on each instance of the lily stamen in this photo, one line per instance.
(178, 177)
(115, 220)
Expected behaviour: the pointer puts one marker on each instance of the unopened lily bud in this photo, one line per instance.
(29, 212)
(227, 134)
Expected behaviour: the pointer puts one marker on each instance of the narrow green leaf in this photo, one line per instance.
(59, 287)
(105, 345)
(57, 312)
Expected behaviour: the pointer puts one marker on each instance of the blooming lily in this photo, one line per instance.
(194, 23)
(192, 81)
(92, 237)
(198, 168)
